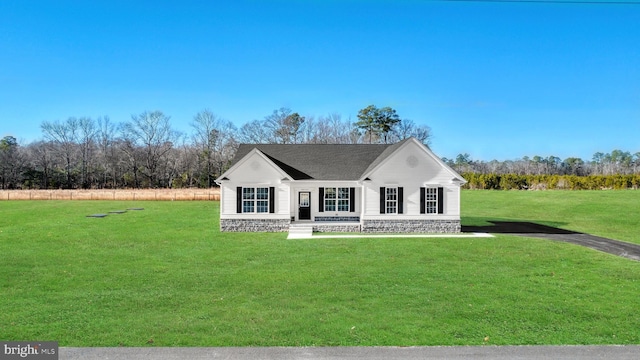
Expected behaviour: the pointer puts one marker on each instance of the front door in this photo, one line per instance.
(304, 205)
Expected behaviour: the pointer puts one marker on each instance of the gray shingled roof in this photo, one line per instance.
(322, 161)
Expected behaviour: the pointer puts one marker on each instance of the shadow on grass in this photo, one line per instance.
(515, 227)
(530, 229)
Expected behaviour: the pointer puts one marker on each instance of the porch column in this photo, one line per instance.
(362, 203)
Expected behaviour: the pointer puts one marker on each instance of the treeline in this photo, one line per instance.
(147, 152)
(615, 162)
(494, 181)
(615, 170)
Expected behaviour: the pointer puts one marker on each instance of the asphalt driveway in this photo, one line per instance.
(528, 229)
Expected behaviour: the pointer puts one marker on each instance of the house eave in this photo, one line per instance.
(323, 180)
(458, 181)
(254, 151)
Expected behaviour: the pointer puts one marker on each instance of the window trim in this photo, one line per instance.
(340, 194)
(391, 203)
(438, 199)
(430, 200)
(255, 198)
(399, 200)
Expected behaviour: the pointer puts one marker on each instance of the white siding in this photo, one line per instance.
(228, 199)
(411, 168)
(254, 170)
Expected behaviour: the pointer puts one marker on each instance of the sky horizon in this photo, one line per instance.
(496, 80)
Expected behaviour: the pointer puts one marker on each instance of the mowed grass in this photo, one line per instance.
(166, 276)
(612, 214)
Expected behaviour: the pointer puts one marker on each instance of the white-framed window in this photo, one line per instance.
(391, 200)
(337, 199)
(255, 200)
(431, 200)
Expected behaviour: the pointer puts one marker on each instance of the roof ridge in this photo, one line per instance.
(322, 161)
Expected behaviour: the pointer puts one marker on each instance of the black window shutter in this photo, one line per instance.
(382, 200)
(239, 199)
(352, 199)
(400, 200)
(422, 201)
(440, 200)
(272, 199)
(321, 200)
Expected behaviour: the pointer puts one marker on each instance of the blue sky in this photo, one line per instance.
(495, 80)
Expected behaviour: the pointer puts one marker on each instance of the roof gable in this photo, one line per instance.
(347, 162)
(389, 157)
(245, 163)
(382, 157)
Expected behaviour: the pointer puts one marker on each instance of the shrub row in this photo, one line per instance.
(550, 182)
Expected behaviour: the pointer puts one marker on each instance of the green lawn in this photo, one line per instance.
(613, 214)
(166, 276)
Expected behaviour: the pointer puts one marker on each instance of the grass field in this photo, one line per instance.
(165, 276)
(613, 214)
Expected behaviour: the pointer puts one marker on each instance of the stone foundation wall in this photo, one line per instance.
(336, 228)
(254, 225)
(368, 226)
(411, 226)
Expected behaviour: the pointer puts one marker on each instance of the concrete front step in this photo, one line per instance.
(300, 232)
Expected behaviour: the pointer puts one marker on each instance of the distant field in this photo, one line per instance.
(124, 194)
(165, 276)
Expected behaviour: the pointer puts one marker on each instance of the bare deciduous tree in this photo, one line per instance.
(284, 126)
(65, 136)
(254, 132)
(40, 160)
(152, 131)
(213, 136)
(407, 128)
(87, 132)
(108, 155)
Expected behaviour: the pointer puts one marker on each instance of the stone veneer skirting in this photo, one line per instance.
(368, 226)
(328, 227)
(411, 226)
(258, 225)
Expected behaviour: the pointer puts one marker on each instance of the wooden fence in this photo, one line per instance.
(142, 194)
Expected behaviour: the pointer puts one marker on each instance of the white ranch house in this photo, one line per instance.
(402, 187)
